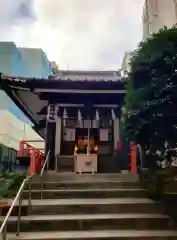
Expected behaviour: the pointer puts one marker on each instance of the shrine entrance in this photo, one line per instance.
(87, 141)
(82, 140)
(59, 105)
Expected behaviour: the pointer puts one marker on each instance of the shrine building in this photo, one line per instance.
(77, 113)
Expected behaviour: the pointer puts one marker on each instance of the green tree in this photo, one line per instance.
(151, 99)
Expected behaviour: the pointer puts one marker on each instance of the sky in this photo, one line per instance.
(77, 34)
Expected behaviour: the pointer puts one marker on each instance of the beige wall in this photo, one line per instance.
(157, 14)
(12, 130)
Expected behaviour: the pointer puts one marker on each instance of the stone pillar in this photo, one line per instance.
(50, 144)
(116, 132)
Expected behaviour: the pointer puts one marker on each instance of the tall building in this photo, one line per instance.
(24, 62)
(157, 14)
(126, 62)
(55, 68)
(35, 63)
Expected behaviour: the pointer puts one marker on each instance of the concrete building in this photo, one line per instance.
(7, 104)
(35, 63)
(55, 68)
(157, 14)
(13, 130)
(25, 62)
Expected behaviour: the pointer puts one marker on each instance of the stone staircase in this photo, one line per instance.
(91, 207)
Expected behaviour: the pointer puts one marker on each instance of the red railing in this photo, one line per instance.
(133, 157)
(36, 155)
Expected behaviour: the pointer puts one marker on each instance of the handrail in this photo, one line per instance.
(3, 228)
(46, 161)
(141, 155)
(42, 172)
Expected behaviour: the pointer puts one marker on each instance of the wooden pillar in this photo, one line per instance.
(33, 164)
(116, 132)
(111, 140)
(58, 136)
(50, 144)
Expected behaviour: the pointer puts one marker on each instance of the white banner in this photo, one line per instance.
(95, 124)
(69, 134)
(87, 124)
(104, 135)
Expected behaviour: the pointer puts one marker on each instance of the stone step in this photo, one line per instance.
(35, 223)
(84, 185)
(86, 193)
(88, 206)
(87, 177)
(98, 235)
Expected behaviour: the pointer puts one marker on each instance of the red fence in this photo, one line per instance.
(36, 155)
